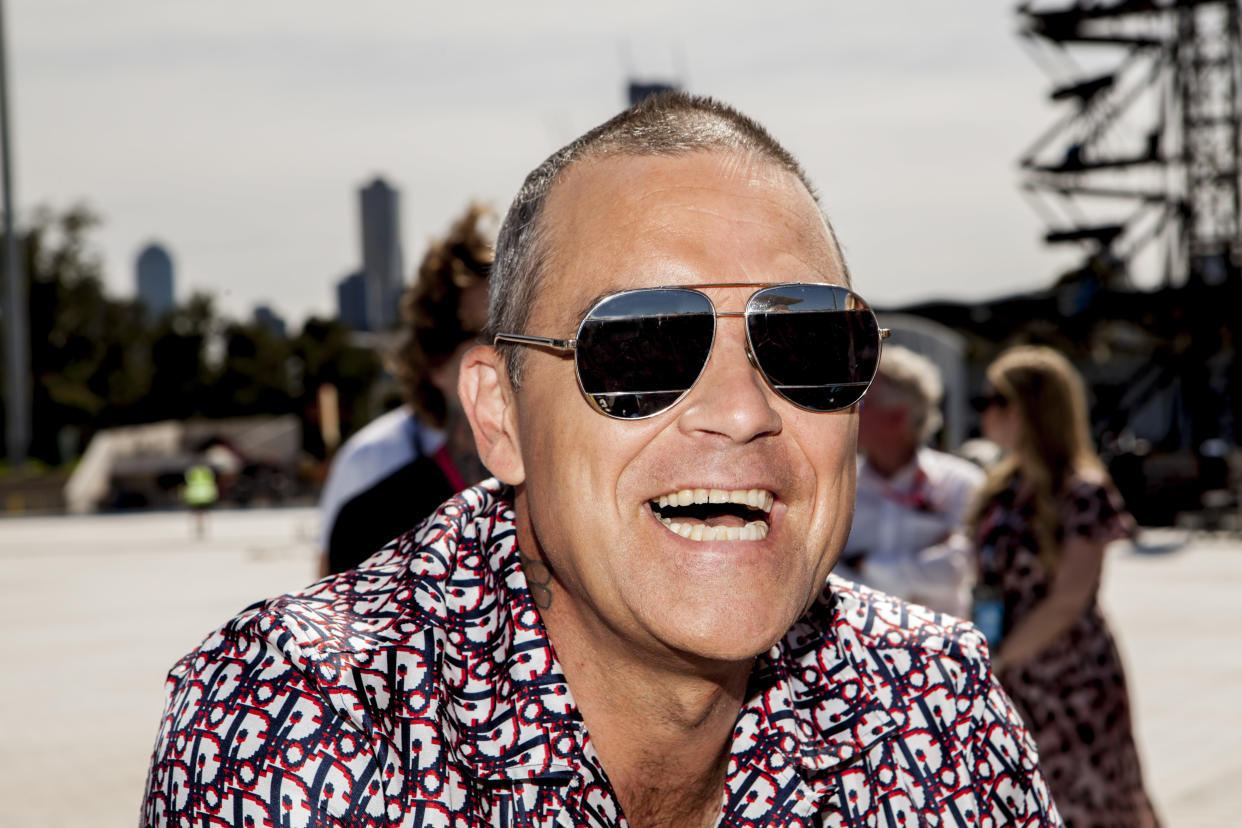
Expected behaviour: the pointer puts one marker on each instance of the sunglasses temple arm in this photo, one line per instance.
(542, 341)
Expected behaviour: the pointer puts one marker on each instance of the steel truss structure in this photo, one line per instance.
(1146, 157)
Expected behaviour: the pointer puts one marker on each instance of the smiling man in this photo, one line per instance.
(634, 622)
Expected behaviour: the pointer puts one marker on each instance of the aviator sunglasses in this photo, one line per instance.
(638, 352)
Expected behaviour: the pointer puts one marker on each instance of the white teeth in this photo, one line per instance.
(754, 498)
(753, 531)
(698, 531)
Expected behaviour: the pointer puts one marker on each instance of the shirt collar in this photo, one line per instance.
(817, 695)
(901, 480)
(516, 720)
(820, 691)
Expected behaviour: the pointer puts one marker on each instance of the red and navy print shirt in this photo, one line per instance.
(420, 689)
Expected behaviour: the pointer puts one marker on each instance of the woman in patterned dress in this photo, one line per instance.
(1043, 519)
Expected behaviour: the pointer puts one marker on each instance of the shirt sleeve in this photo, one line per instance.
(249, 738)
(1095, 512)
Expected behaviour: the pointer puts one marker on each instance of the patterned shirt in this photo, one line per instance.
(421, 690)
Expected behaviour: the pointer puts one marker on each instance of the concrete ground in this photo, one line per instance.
(98, 608)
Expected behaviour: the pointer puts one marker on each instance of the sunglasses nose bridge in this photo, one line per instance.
(746, 344)
(730, 397)
(750, 357)
(750, 353)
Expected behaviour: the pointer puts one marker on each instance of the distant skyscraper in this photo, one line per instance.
(351, 301)
(382, 265)
(155, 280)
(641, 90)
(270, 320)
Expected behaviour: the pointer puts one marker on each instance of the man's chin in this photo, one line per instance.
(733, 634)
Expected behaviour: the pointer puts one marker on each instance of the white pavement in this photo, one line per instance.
(98, 608)
(1175, 604)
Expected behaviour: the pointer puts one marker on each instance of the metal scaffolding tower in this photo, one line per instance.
(1147, 155)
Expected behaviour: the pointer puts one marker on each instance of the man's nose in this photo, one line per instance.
(731, 397)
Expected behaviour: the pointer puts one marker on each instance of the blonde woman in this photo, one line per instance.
(1044, 517)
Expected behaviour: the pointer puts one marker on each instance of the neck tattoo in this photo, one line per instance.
(538, 580)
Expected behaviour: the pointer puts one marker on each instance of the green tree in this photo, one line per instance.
(324, 354)
(181, 379)
(256, 374)
(98, 362)
(83, 354)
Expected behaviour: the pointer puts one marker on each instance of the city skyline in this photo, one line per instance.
(155, 280)
(240, 139)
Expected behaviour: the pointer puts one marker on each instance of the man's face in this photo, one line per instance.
(884, 422)
(590, 498)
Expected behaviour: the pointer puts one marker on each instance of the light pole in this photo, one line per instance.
(17, 341)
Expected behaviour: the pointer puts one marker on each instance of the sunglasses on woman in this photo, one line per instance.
(982, 402)
(639, 352)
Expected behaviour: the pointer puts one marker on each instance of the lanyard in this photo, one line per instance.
(449, 468)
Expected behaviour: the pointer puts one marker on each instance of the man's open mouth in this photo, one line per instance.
(715, 514)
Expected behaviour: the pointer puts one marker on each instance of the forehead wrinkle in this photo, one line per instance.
(763, 171)
(807, 239)
(813, 235)
(691, 201)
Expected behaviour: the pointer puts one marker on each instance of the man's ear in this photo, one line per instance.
(487, 397)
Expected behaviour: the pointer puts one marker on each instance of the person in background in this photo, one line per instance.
(200, 495)
(912, 500)
(400, 467)
(1045, 515)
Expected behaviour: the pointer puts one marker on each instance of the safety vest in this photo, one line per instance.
(200, 486)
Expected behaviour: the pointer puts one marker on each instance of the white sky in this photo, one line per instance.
(237, 133)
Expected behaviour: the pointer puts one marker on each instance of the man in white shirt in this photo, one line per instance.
(912, 500)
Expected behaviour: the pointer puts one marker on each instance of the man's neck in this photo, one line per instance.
(662, 729)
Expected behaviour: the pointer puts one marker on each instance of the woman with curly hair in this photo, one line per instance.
(403, 465)
(1043, 519)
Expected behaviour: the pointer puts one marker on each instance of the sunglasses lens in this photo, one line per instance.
(818, 345)
(983, 402)
(639, 352)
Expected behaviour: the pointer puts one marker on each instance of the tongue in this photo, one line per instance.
(714, 520)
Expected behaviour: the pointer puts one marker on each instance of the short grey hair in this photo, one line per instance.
(913, 380)
(669, 124)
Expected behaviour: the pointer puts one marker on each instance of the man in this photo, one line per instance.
(912, 500)
(631, 623)
(403, 465)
